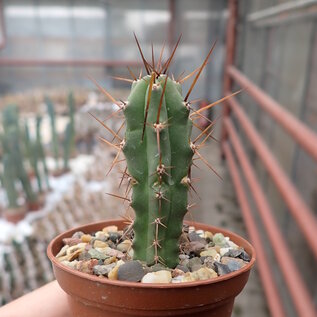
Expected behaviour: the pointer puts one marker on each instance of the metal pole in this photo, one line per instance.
(231, 41)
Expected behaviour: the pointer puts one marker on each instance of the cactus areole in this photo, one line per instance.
(159, 156)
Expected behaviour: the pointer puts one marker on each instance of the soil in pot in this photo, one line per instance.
(213, 269)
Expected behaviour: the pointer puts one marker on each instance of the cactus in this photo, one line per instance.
(159, 155)
(32, 154)
(40, 148)
(8, 181)
(51, 113)
(10, 117)
(67, 144)
(71, 108)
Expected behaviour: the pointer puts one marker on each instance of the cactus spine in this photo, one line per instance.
(159, 155)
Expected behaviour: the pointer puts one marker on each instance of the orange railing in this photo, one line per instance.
(232, 147)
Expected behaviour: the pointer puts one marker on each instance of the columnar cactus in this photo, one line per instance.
(8, 181)
(158, 153)
(33, 155)
(67, 144)
(71, 108)
(40, 148)
(51, 113)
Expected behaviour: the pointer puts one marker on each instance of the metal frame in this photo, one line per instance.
(65, 62)
(2, 27)
(303, 215)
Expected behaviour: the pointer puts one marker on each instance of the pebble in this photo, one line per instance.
(232, 245)
(209, 253)
(195, 247)
(109, 229)
(194, 236)
(183, 268)
(157, 267)
(113, 274)
(201, 233)
(77, 235)
(177, 279)
(100, 235)
(239, 253)
(210, 263)
(71, 241)
(114, 236)
(157, 277)
(183, 256)
(221, 269)
(87, 266)
(84, 256)
(219, 239)
(234, 264)
(203, 273)
(124, 246)
(62, 251)
(194, 264)
(177, 272)
(132, 271)
(110, 260)
(86, 238)
(223, 251)
(95, 254)
(208, 236)
(71, 264)
(103, 269)
(100, 244)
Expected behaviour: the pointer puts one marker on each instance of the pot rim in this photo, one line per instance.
(139, 285)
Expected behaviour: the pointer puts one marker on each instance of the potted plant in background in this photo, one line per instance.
(156, 265)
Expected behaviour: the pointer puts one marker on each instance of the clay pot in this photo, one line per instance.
(92, 296)
(14, 215)
(59, 172)
(38, 204)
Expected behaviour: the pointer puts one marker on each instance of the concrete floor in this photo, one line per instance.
(218, 206)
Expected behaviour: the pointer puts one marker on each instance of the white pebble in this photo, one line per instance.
(223, 251)
(157, 277)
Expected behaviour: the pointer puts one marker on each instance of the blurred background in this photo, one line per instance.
(53, 166)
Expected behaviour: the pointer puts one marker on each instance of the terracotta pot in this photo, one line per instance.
(38, 204)
(14, 215)
(92, 296)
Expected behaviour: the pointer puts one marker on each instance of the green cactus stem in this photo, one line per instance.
(40, 149)
(67, 144)
(159, 155)
(10, 117)
(51, 113)
(33, 155)
(71, 109)
(8, 181)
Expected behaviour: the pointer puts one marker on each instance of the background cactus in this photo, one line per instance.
(33, 155)
(51, 113)
(11, 145)
(67, 144)
(8, 181)
(40, 149)
(71, 110)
